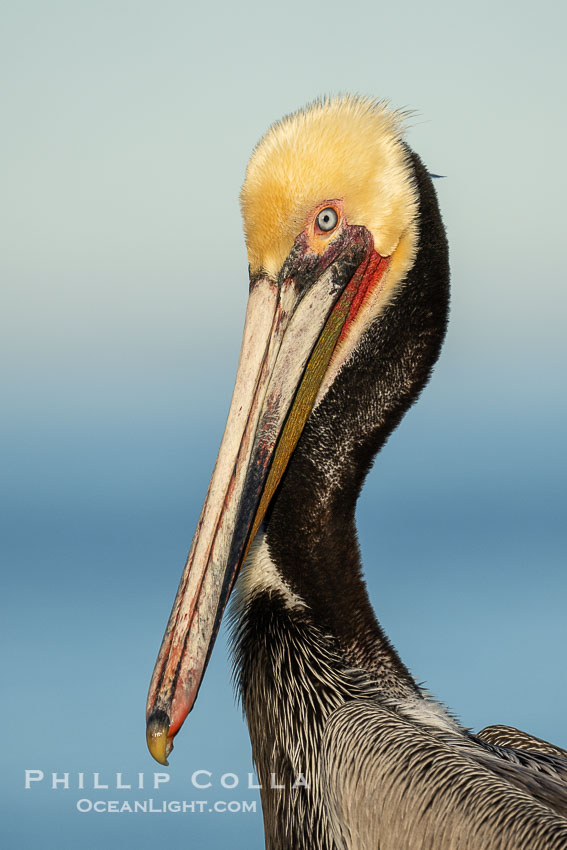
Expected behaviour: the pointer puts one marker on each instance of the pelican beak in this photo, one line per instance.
(293, 325)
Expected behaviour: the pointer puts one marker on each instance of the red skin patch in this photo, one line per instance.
(364, 281)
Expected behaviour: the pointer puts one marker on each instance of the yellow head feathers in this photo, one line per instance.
(346, 148)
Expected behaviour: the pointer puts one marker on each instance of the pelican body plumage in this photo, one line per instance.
(348, 307)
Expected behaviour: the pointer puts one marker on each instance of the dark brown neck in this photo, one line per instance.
(310, 526)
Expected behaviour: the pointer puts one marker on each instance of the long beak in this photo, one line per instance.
(292, 329)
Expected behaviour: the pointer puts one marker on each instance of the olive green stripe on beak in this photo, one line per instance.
(302, 406)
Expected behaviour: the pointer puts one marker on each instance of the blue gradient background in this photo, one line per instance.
(127, 127)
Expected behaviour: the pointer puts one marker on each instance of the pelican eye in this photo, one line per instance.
(327, 219)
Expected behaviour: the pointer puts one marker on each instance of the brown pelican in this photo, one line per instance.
(346, 316)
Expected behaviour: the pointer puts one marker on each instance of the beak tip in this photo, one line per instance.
(159, 743)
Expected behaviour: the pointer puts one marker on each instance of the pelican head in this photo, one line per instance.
(331, 209)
